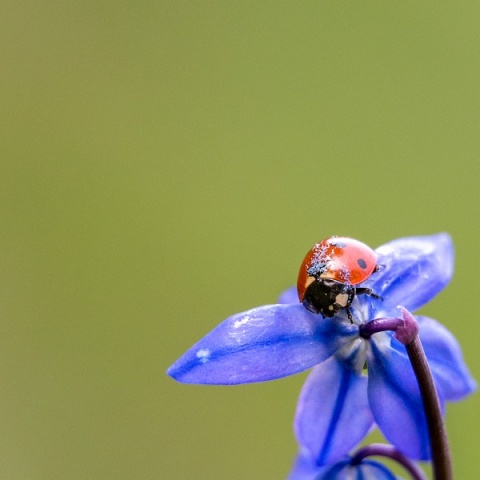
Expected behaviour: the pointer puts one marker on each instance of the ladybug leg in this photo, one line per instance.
(367, 291)
(349, 315)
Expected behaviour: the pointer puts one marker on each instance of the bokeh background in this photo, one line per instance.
(165, 164)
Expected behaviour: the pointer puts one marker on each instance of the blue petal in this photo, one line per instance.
(395, 397)
(305, 468)
(333, 414)
(451, 375)
(289, 296)
(412, 271)
(261, 344)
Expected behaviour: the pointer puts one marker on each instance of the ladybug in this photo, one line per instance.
(330, 273)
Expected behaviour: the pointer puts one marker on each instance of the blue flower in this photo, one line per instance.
(344, 469)
(339, 403)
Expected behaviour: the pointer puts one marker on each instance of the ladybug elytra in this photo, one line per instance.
(330, 273)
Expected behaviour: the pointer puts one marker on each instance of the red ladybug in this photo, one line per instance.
(330, 273)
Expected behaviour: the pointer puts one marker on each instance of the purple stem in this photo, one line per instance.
(441, 461)
(389, 451)
(406, 331)
(380, 325)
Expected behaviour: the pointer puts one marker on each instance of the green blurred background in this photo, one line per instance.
(165, 164)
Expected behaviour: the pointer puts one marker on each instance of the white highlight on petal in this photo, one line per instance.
(203, 355)
(243, 321)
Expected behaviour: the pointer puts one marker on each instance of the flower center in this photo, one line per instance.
(353, 354)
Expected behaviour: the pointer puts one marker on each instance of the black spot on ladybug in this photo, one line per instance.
(362, 263)
(338, 244)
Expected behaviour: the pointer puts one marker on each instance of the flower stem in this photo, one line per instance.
(441, 461)
(389, 451)
(406, 331)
